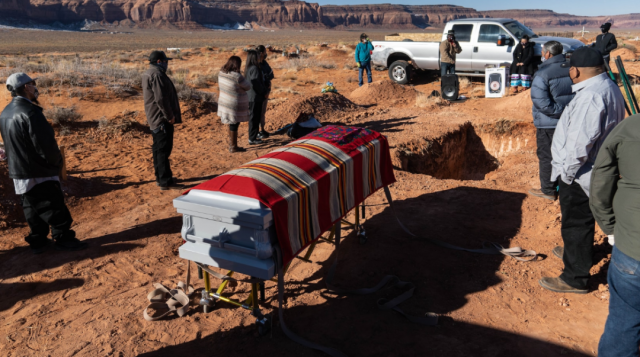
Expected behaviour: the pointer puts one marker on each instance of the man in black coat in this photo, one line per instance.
(162, 108)
(34, 165)
(606, 42)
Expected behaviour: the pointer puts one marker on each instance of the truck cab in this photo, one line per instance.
(483, 41)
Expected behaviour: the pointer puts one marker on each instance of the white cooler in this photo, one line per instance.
(227, 231)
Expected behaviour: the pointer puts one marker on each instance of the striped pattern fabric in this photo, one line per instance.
(233, 101)
(313, 182)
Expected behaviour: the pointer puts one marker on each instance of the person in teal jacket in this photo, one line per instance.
(363, 57)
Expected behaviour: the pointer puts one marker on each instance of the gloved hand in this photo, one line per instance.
(358, 64)
(368, 39)
(611, 241)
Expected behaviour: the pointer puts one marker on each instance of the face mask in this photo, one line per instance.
(164, 65)
(543, 58)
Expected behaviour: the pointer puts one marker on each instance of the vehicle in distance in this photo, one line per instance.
(483, 41)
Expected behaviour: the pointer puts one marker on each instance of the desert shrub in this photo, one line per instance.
(64, 131)
(290, 76)
(60, 115)
(465, 82)
(186, 93)
(297, 64)
(424, 101)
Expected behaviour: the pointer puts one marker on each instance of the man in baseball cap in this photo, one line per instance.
(162, 108)
(598, 106)
(34, 165)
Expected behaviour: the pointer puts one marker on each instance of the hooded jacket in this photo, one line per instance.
(550, 92)
(160, 97)
(363, 52)
(29, 140)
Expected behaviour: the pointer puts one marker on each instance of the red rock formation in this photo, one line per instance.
(278, 13)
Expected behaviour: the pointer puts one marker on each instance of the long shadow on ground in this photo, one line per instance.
(20, 261)
(14, 292)
(443, 278)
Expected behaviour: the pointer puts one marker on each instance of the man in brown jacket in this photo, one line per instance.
(448, 50)
(163, 111)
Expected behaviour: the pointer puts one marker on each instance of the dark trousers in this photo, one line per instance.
(364, 66)
(162, 147)
(44, 207)
(622, 331)
(255, 115)
(447, 68)
(578, 228)
(544, 138)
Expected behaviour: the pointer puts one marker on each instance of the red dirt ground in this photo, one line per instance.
(90, 303)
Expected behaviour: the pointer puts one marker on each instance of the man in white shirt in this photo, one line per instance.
(34, 161)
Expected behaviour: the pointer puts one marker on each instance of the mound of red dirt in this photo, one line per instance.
(624, 53)
(520, 102)
(323, 107)
(333, 53)
(384, 92)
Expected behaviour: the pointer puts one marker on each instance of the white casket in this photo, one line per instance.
(227, 231)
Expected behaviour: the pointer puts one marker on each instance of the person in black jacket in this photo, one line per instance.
(605, 42)
(268, 76)
(162, 108)
(522, 66)
(34, 165)
(253, 73)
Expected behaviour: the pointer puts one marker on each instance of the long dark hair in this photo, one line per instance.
(233, 65)
(252, 60)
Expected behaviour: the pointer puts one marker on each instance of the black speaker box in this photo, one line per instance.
(450, 87)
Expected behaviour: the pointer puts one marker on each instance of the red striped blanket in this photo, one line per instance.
(312, 182)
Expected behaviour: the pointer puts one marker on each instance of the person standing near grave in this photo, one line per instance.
(253, 73)
(162, 108)
(606, 42)
(550, 92)
(267, 73)
(363, 58)
(522, 65)
(448, 50)
(615, 203)
(233, 101)
(598, 106)
(35, 162)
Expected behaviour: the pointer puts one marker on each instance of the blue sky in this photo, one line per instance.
(583, 7)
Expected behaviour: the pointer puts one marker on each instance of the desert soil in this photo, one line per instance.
(462, 169)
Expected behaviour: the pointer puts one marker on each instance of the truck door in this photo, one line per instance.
(463, 35)
(486, 51)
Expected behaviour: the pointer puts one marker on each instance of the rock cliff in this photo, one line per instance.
(278, 13)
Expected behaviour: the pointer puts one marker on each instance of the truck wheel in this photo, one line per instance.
(400, 72)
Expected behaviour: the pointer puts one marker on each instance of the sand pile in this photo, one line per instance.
(323, 107)
(624, 53)
(384, 92)
(520, 102)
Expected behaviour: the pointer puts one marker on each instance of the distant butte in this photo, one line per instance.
(282, 14)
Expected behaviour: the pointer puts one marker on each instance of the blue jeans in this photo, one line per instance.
(447, 68)
(364, 66)
(622, 331)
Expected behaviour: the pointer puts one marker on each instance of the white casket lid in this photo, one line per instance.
(211, 204)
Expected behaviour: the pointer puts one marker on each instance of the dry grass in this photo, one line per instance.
(297, 64)
(288, 90)
(426, 101)
(477, 92)
(465, 82)
(60, 115)
(290, 76)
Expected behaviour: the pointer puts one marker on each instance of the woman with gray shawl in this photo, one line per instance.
(233, 101)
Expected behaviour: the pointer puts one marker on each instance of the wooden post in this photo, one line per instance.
(63, 170)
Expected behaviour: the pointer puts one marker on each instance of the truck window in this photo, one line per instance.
(463, 32)
(490, 33)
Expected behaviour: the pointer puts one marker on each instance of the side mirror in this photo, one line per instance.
(502, 40)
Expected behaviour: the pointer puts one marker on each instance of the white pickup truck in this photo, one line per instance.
(483, 42)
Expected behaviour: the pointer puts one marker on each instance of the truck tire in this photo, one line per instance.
(400, 72)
